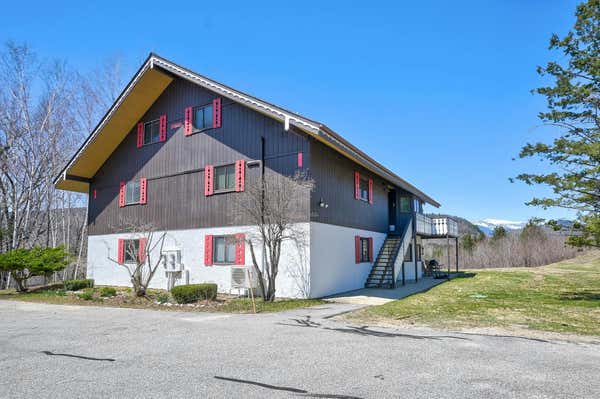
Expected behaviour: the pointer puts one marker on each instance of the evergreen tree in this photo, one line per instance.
(573, 108)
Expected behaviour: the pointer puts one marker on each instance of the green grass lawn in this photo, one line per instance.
(563, 297)
(223, 303)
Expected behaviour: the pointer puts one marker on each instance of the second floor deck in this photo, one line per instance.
(436, 227)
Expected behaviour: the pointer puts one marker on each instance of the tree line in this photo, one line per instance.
(47, 108)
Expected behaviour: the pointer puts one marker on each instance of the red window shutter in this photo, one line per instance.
(121, 251)
(299, 159)
(94, 194)
(208, 250)
(240, 175)
(122, 194)
(143, 190)
(140, 134)
(187, 124)
(240, 249)
(370, 249)
(217, 112)
(370, 191)
(163, 128)
(356, 185)
(357, 249)
(208, 180)
(142, 249)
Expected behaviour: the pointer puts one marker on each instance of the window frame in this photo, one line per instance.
(408, 202)
(203, 107)
(139, 188)
(223, 190)
(125, 253)
(233, 242)
(149, 123)
(364, 180)
(365, 250)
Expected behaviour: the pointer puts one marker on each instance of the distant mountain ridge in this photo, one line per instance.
(488, 225)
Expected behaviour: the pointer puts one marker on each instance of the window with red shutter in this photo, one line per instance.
(240, 175)
(208, 250)
(357, 249)
(370, 249)
(143, 190)
(216, 113)
(140, 134)
(300, 160)
(142, 249)
(240, 249)
(121, 251)
(187, 124)
(208, 180)
(356, 185)
(122, 194)
(163, 128)
(370, 191)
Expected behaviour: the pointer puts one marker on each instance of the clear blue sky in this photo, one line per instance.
(438, 91)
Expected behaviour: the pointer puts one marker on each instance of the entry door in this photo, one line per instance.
(392, 211)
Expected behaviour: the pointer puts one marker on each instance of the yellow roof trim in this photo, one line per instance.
(122, 118)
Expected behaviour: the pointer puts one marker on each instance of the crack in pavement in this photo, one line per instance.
(78, 356)
(302, 392)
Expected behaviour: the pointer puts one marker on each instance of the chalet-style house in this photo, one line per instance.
(176, 148)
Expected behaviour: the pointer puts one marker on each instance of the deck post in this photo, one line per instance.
(456, 239)
(448, 252)
(414, 246)
(403, 278)
(394, 274)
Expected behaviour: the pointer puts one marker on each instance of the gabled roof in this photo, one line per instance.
(150, 81)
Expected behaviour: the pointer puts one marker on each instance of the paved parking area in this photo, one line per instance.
(49, 351)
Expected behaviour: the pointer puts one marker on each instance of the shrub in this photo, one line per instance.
(107, 292)
(194, 292)
(87, 295)
(162, 297)
(76, 285)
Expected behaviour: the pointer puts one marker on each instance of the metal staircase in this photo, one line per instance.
(383, 273)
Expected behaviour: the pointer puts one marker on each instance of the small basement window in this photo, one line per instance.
(224, 250)
(132, 193)
(364, 189)
(203, 117)
(131, 250)
(365, 255)
(151, 132)
(224, 178)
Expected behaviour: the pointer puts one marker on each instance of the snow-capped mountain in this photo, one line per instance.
(488, 225)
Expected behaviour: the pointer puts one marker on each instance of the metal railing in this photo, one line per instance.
(440, 227)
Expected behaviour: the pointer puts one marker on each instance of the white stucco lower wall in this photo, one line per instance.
(292, 279)
(332, 259)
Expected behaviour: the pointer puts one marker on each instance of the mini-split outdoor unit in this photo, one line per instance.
(174, 270)
(171, 260)
(243, 277)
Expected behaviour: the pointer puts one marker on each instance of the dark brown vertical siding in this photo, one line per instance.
(334, 183)
(178, 202)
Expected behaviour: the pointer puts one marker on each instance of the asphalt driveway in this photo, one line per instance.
(50, 351)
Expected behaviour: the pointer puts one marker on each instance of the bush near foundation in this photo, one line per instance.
(76, 285)
(194, 292)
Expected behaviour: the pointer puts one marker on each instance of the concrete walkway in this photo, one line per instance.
(379, 296)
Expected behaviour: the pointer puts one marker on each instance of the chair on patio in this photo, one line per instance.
(434, 269)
